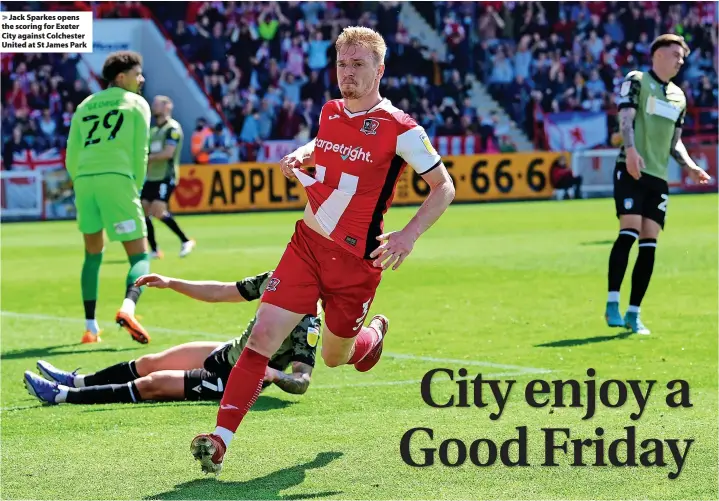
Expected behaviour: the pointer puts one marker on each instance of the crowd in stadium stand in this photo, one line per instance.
(268, 66)
(572, 56)
(40, 94)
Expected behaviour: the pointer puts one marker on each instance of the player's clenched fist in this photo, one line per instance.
(153, 280)
(395, 248)
(289, 162)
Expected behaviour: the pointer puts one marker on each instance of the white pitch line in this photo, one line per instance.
(417, 381)
(466, 362)
(51, 318)
(222, 337)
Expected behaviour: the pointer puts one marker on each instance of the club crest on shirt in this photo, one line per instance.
(370, 126)
(272, 284)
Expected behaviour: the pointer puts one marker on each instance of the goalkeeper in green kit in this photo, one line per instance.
(107, 153)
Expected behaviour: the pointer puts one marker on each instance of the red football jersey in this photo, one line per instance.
(358, 160)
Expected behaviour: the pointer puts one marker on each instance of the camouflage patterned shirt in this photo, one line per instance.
(299, 346)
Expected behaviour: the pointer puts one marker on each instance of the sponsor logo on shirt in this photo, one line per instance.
(313, 335)
(351, 153)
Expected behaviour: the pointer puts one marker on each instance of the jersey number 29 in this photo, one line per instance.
(107, 123)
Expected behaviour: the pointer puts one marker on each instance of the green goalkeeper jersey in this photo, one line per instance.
(109, 133)
(661, 107)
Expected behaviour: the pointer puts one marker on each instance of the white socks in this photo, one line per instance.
(91, 325)
(78, 381)
(128, 306)
(225, 434)
(633, 309)
(61, 397)
(613, 297)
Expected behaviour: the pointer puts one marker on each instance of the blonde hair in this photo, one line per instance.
(363, 37)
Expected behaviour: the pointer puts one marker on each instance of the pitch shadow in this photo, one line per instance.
(598, 242)
(582, 341)
(45, 351)
(267, 487)
(263, 403)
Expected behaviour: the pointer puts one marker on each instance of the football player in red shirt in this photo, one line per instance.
(339, 249)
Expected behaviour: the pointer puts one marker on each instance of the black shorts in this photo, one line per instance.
(646, 197)
(158, 190)
(209, 383)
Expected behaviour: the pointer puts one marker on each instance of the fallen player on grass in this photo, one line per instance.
(190, 371)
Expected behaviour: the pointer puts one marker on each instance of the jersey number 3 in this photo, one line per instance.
(108, 122)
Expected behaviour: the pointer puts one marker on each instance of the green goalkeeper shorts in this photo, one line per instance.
(110, 202)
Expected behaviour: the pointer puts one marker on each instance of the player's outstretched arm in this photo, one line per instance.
(296, 383)
(397, 245)
(207, 291)
(440, 196)
(681, 155)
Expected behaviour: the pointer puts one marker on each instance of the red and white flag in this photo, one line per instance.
(572, 131)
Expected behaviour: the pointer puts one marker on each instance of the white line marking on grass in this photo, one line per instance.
(51, 318)
(18, 408)
(417, 381)
(517, 369)
(465, 362)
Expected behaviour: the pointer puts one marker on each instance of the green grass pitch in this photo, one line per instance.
(500, 289)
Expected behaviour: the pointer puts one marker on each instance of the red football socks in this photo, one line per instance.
(243, 388)
(365, 341)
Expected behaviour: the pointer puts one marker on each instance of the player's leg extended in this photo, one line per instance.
(124, 221)
(350, 284)
(159, 210)
(291, 293)
(629, 225)
(139, 265)
(89, 283)
(154, 251)
(163, 385)
(273, 325)
(642, 274)
(89, 221)
(363, 351)
(53, 393)
(183, 357)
